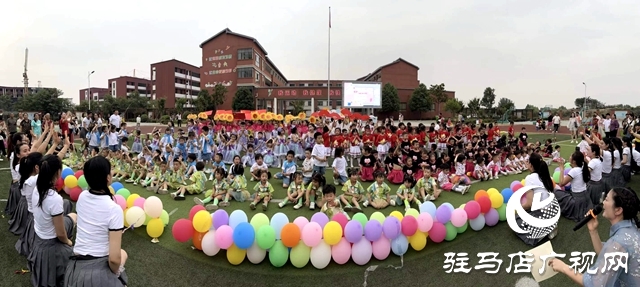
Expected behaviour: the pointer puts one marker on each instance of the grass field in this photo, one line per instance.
(170, 263)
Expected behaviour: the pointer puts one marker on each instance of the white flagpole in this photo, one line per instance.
(329, 63)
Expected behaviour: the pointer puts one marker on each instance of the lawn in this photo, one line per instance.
(170, 263)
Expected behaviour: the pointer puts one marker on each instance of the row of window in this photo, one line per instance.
(248, 54)
(187, 72)
(186, 82)
(314, 85)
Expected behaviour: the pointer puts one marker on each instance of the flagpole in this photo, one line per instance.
(329, 63)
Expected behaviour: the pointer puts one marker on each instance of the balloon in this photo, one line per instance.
(243, 235)
(377, 216)
(182, 230)
(412, 212)
(397, 214)
(147, 219)
(320, 218)
(209, 246)
(255, 254)
(265, 237)
(165, 217)
(59, 184)
(224, 237)
(360, 217)
(117, 186)
(299, 255)
(567, 165)
(449, 205)
(425, 222)
(556, 176)
(566, 171)
(485, 204)
(391, 227)
(202, 221)
(78, 174)
(124, 192)
(491, 218)
(195, 209)
(502, 212)
(341, 219)
(258, 220)
(438, 232)
(235, 255)
(301, 221)
(479, 194)
(153, 206)
(463, 228)
(139, 202)
(197, 240)
(428, 207)
(332, 233)
(506, 194)
(155, 228)
(452, 232)
(237, 216)
(496, 200)
(514, 183)
(418, 241)
(131, 199)
(491, 191)
(220, 218)
(473, 209)
(75, 192)
(111, 190)
(70, 181)
(381, 248)
(353, 231)
(120, 201)
(320, 255)
(373, 230)
(458, 217)
(135, 216)
(443, 214)
(278, 221)
(516, 187)
(522, 182)
(312, 234)
(400, 245)
(278, 254)
(66, 172)
(409, 225)
(361, 251)
(341, 252)
(290, 235)
(478, 223)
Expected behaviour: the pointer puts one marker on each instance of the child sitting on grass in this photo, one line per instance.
(406, 193)
(263, 189)
(427, 186)
(140, 170)
(288, 168)
(313, 192)
(339, 167)
(295, 191)
(159, 183)
(198, 180)
(379, 193)
(258, 168)
(218, 192)
(354, 193)
(237, 183)
(332, 205)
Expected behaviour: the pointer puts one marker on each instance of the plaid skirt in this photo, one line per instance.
(595, 190)
(49, 257)
(86, 271)
(573, 205)
(25, 243)
(14, 198)
(18, 221)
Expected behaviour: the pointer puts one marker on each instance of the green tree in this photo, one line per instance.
(204, 101)
(84, 106)
(591, 103)
(180, 105)
(504, 105)
(243, 100)
(474, 107)
(488, 98)
(218, 94)
(453, 106)
(437, 92)
(420, 100)
(6, 103)
(297, 107)
(45, 100)
(390, 99)
(161, 103)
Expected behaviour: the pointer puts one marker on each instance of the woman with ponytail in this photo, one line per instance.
(52, 244)
(596, 189)
(617, 180)
(98, 259)
(620, 207)
(576, 203)
(18, 147)
(627, 159)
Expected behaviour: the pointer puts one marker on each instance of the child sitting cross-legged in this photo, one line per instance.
(263, 189)
(295, 191)
(379, 193)
(237, 182)
(354, 193)
(198, 180)
(427, 186)
(160, 182)
(406, 193)
(288, 168)
(313, 192)
(332, 204)
(258, 168)
(216, 193)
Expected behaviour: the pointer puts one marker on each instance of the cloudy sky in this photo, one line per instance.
(536, 52)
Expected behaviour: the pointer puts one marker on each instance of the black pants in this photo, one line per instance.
(3, 150)
(179, 123)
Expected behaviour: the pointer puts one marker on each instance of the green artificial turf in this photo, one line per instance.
(170, 263)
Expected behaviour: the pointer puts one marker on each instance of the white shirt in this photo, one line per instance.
(606, 162)
(138, 120)
(627, 151)
(115, 120)
(15, 174)
(534, 179)
(577, 182)
(636, 156)
(113, 138)
(340, 164)
(307, 167)
(256, 166)
(97, 216)
(52, 206)
(27, 191)
(617, 159)
(86, 122)
(556, 120)
(596, 169)
(319, 151)
(606, 123)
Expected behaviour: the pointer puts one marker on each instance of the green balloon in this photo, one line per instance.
(124, 193)
(82, 182)
(259, 220)
(378, 216)
(412, 211)
(266, 237)
(556, 176)
(278, 254)
(146, 220)
(164, 217)
(452, 232)
(463, 228)
(360, 217)
(300, 255)
(502, 212)
(567, 165)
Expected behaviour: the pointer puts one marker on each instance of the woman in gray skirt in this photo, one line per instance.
(617, 180)
(51, 246)
(575, 203)
(18, 147)
(98, 259)
(596, 189)
(627, 158)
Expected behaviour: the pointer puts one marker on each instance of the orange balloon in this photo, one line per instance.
(290, 235)
(197, 240)
(479, 194)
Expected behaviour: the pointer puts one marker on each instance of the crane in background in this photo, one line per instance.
(25, 78)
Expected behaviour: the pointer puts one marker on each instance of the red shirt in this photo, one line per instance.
(327, 139)
(443, 136)
(378, 138)
(512, 132)
(368, 138)
(490, 134)
(422, 137)
(433, 136)
(337, 140)
(496, 131)
(413, 137)
(355, 140)
(393, 139)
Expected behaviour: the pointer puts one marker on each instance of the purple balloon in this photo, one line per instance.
(353, 231)
(443, 214)
(513, 183)
(491, 217)
(320, 218)
(391, 227)
(220, 218)
(566, 171)
(373, 230)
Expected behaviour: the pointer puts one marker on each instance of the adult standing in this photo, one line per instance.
(606, 123)
(36, 125)
(138, 121)
(25, 126)
(179, 117)
(614, 126)
(556, 125)
(115, 120)
(573, 127)
(12, 125)
(628, 121)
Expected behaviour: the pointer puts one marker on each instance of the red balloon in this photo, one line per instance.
(341, 219)
(59, 184)
(409, 225)
(516, 187)
(195, 210)
(438, 232)
(485, 204)
(74, 193)
(182, 230)
(472, 208)
(79, 173)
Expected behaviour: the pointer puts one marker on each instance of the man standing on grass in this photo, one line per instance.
(115, 120)
(12, 124)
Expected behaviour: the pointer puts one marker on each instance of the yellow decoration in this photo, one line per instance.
(131, 199)
(192, 117)
(302, 115)
(203, 115)
(332, 233)
(418, 241)
(262, 117)
(397, 214)
(216, 117)
(312, 119)
(155, 228)
(268, 117)
(235, 255)
(254, 116)
(279, 117)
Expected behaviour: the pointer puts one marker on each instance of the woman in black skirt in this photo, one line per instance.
(51, 246)
(596, 189)
(577, 202)
(21, 150)
(617, 179)
(98, 259)
(627, 158)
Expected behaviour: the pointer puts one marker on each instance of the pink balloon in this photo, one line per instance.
(312, 234)
(341, 219)
(195, 210)
(425, 222)
(341, 252)
(516, 187)
(121, 201)
(409, 225)
(224, 236)
(381, 248)
(458, 217)
(473, 209)
(139, 202)
(438, 232)
(301, 221)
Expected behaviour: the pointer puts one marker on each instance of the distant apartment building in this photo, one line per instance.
(172, 80)
(97, 94)
(125, 85)
(17, 92)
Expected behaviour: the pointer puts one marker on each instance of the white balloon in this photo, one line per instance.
(153, 206)
(361, 251)
(321, 255)
(209, 246)
(135, 216)
(255, 254)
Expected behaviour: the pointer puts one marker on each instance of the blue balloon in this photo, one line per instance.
(477, 223)
(243, 235)
(117, 186)
(506, 194)
(278, 221)
(67, 172)
(428, 207)
(237, 216)
(400, 245)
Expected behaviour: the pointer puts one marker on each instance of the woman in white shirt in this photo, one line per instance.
(617, 179)
(576, 203)
(51, 246)
(541, 178)
(573, 127)
(98, 259)
(595, 187)
(627, 158)
(18, 147)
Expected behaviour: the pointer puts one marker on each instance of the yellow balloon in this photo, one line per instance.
(463, 205)
(70, 181)
(418, 241)
(235, 255)
(492, 191)
(397, 214)
(155, 227)
(202, 221)
(124, 215)
(522, 182)
(332, 233)
(496, 200)
(112, 191)
(131, 199)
